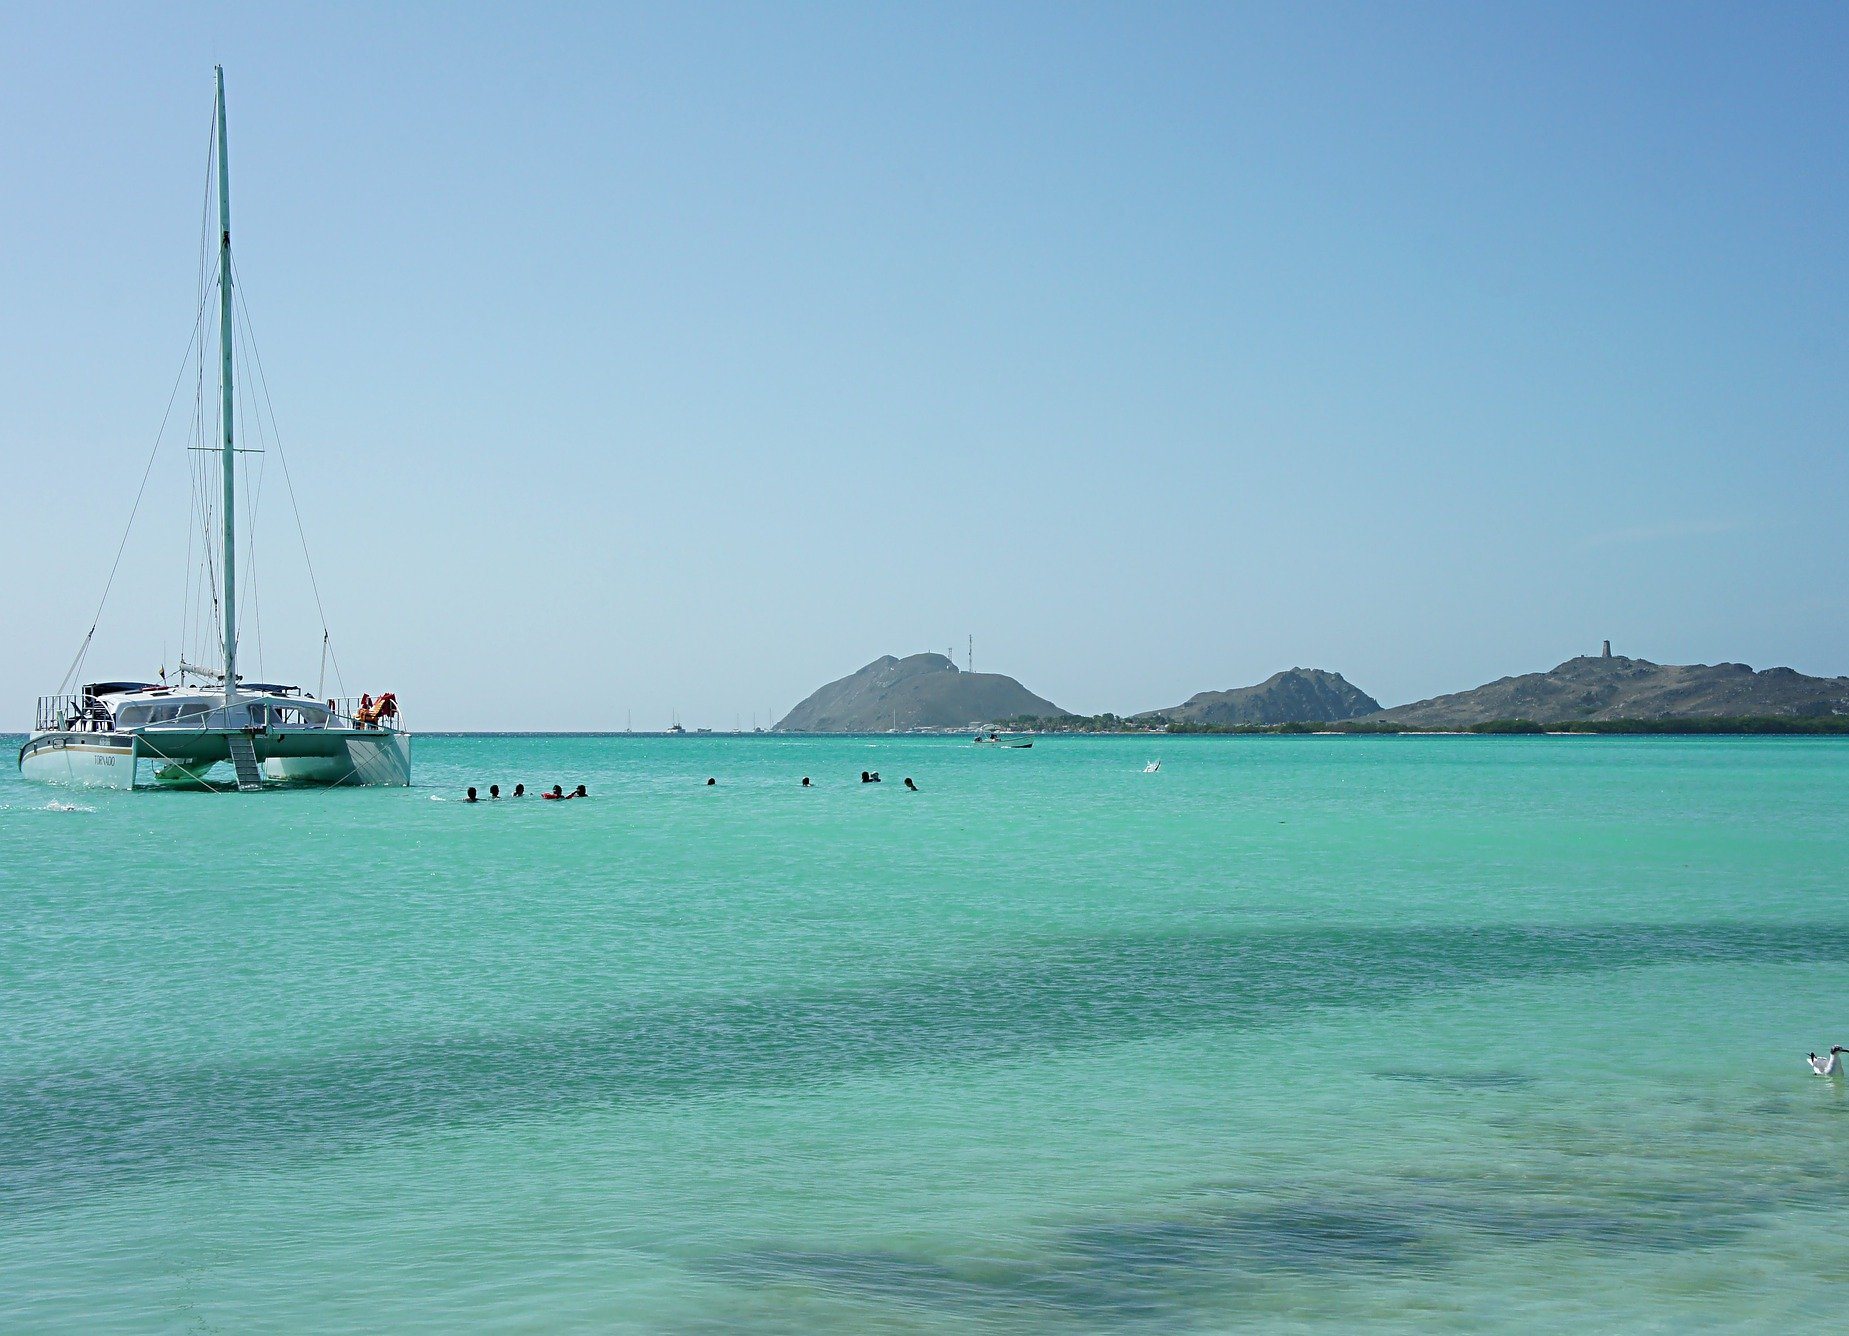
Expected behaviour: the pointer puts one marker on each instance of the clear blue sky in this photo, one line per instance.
(685, 357)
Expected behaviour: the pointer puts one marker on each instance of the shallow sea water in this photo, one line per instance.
(1431, 1033)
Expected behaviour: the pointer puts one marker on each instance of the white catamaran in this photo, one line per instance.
(129, 735)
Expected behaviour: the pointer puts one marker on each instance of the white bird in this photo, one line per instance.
(1830, 1066)
(1152, 767)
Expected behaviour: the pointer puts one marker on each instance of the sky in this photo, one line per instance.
(633, 363)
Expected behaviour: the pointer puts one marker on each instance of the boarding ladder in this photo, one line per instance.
(244, 760)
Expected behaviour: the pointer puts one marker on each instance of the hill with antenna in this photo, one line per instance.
(918, 691)
(1612, 686)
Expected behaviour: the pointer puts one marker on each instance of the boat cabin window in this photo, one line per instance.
(300, 716)
(161, 712)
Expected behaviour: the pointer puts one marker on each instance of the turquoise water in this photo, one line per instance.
(1434, 1033)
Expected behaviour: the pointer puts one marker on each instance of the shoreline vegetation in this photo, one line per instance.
(1738, 725)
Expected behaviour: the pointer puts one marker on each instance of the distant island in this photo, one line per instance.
(1297, 695)
(1605, 693)
(920, 691)
(1609, 688)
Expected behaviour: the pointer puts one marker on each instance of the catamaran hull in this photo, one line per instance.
(382, 761)
(187, 759)
(88, 765)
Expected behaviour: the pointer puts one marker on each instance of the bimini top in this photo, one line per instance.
(116, 688)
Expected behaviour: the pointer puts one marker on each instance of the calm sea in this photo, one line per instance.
(1435, 1033)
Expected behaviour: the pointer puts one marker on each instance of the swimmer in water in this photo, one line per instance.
(473, 799)
(805, 781)
(579, 792)
(866, 776)
(557, 792)
(908, 784)
(1830, 1066)
(494, 790)
(710, 781)
(519, 791)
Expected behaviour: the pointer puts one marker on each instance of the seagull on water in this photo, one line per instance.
(1830, 1066)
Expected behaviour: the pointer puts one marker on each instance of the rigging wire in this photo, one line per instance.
(128, 528)
(202, 508)
(189, 583)
(199, 510)
(263, 381)
(253, 494)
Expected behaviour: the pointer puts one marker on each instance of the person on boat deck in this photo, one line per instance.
(557, 792)
(471, 798)
(363, 715)
(519, 791)
(494, 790)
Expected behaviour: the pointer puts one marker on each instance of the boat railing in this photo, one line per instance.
(53, 711)
(81, 714)
(87, 714)
(344, 712)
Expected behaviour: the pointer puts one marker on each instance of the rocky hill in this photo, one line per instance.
(1297, 695)
(919, 691)
(1616, 687)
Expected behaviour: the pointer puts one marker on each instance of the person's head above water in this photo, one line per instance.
(579, 792)
(908, 784)
(558, 791)
(494, 790)
(519, 790)
(805, 781)
(710, 781)
(471, 798)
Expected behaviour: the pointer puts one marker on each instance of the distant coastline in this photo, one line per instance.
(1689, 726)
(1748, 725)
(1693, 727)
(1603, 693)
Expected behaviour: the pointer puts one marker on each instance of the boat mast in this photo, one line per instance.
(228, 454)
